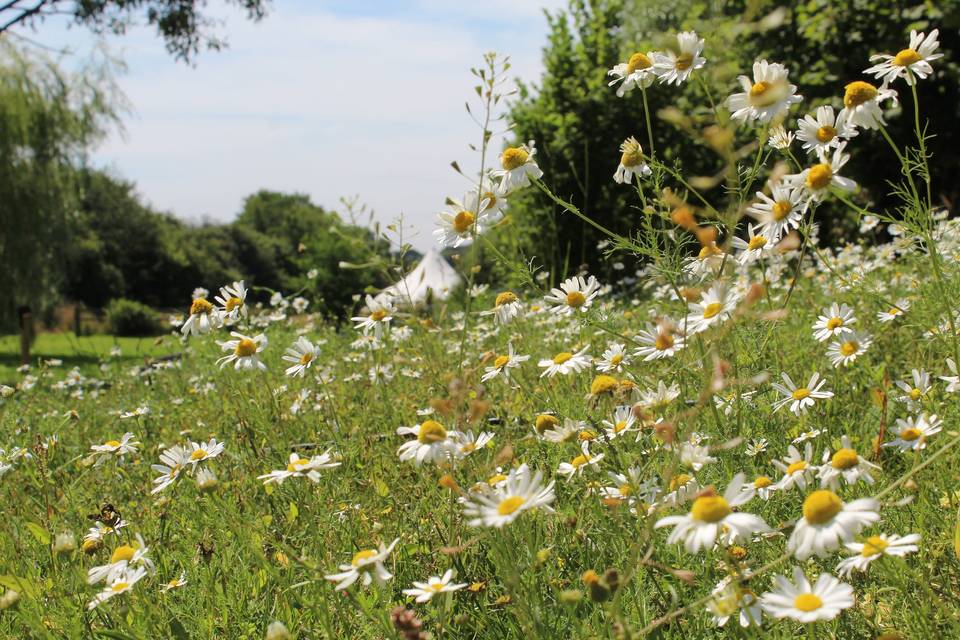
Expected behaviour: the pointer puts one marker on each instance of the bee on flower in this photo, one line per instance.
(301, 353)
(675, 67)
(114, 448)
(424, 591)
(800, 399)
(631, 162)
(767, 97)
(367, 565)
(910, 63)
(913, 432)
(233, 302)
(874, 548)
(824, 131)
(803, 602)
(518, 166)
(520, 492)
(712, 514)
(846, 464)
(575, 294)
(243, 351)
(637, 72)
(299, 467)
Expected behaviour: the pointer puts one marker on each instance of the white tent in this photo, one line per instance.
(433, 272)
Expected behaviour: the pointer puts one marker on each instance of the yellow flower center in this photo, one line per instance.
(631, 157)
(801, 394)
(764, 94)
(245, 348)
(826, 133)
(513, 158)
(545, 421)
(821, 506)
(233, 303)
(510, 505)
(501, 362)
(123, 552)
(781, 209)
(684, 61)
(200, 305)
(620, 426)
(915, 394)
(496, 479)
(586, 436)
(463, 222)
(762, 482)
(807, 602)
(296, 464)
(845, 459)
(679, 480)
(562, 357)
(711, 310)
(198, 454)
(506, 297)
(710, 509)
(361, 557)
(799, 465)
(431, 431)
(638, 61)
(603, 384)
(625, 490)
(579, 461)
(756, 242)
(616, 359)
(893, 312)
(834, 323)
(858, 93)
(379, 314)
(906, 57)
(576, 299)
(819, 176)
(708, 250)
(849, 348)
(117, 587)
(873, 545)
(910, 434)
(663, 342)
(112, 443)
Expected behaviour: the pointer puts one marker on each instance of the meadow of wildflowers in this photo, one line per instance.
(753, 435)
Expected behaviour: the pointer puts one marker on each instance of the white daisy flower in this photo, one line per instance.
(520, 492)
(827, 521)
(713, 308)
(299, 467)
(915, 393)
(767, 97)
(506, 307)
(244, 350)
(557, 433)
(463, 221)
(123, 583)
(637, 72)
(875, 547)
(467, 443)
(847, 464)
(631, 162)
(800, 398)
(118, 448)
(576, 466)
(366, 566)
(834, 321)
(424, 591)
(779, 137)
(614, 358)
(710, 515)
(695, 456)
(630, 487)
(660, 341)
(503, 364)
(797, 470)
(800, 601)
(565, 362)
(761, 486)
(675, 67)
(910, 63)
(203, 451)
(861, 104)
(575, 294)
(848, 347)
(174, 460)
(756, 246)
(780, 213)
(233, 302)
(380, 311)
(124, 556)
(518, 166)
(825, 131)
(621, 424)
(953, 381)
(203, 318)
(301, 353)
(661, 397)
(175, 583)
(902, 306)
(433, 443)
(914, 431)
(817, 179)
(729, 599)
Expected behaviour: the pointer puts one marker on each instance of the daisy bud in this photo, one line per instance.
(277, 631)
(64, 543)
(9, 599)
(590, 577)
(571, 596)
(603, 384)
(91, 545)
(545, 422)
(707, 236)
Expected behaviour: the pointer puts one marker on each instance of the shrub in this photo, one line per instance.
(131, 318)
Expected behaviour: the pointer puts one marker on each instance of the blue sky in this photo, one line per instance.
(328, 97)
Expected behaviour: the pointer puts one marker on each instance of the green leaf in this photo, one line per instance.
(116, 635)
(381, 487)
(22, 586)
(177, 630)
(292, 512)
(39, 533)
(956, 538)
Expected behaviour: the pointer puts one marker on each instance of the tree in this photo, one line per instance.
(48, 119)
(182, 24)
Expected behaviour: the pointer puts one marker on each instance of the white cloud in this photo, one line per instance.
(320, 102)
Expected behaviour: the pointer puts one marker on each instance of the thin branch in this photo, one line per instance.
(25, 14)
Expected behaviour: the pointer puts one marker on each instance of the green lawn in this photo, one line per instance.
(85, 352)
